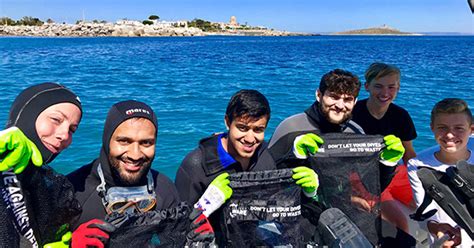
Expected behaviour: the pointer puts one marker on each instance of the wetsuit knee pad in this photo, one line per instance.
(264, 210)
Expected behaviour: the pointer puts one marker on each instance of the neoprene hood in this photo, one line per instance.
(29, 104)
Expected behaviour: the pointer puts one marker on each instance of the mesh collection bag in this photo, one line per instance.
(164, 228)
(40, 204)
(264, 210)
(348, 170)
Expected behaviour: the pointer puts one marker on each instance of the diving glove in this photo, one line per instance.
(307, 179)
(393, 151)
(93, 233)
(16, 151)
(306, 144)
(64, 243)
(200, 229)
(215, 195)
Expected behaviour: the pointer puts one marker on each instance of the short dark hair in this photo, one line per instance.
(340, 82)
(451, 106)
(248, 104)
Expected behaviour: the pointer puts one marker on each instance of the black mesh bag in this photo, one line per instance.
(46, 207)
(264, 210)
(164, 228)
(348, 169)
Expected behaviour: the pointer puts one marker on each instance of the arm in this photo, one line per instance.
(409, 151)
(187, 178)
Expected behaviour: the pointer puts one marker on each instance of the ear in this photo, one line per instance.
(366, 86)
(472, 129)
(318, 95)
(226, 122)
(431, 126)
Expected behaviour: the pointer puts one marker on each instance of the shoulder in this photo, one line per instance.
(424, 158)
(360, 106)
(353, 127)
(192, 160)
(79, 177)
(295, 123)
(397, 110)
(160, 178)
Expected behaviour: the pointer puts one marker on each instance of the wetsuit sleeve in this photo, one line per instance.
(188, 178)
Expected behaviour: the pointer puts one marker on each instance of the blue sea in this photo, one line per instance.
(189, 80)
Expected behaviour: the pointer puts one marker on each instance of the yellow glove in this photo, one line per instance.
(17, 151)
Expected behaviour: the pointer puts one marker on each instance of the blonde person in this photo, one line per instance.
(451, 124)
(379, 115)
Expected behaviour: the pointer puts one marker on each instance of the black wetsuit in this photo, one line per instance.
(312, 121)
(86, 179)
(203, 164)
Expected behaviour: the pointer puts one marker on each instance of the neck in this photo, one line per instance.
(244, 162)
(375, 110)
(452, 158)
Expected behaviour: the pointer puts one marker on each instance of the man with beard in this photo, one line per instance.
(123, 167)
(297, 136)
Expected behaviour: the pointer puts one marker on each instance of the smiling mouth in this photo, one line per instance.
(51, 148)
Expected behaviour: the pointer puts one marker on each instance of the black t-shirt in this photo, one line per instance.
(396, 121)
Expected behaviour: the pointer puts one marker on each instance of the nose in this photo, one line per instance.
(62, 133)
(249, 137)
(134, 152)
(339, 103)
(450, 133)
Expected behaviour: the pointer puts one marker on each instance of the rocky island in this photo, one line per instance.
(151, 27)
(383, 30)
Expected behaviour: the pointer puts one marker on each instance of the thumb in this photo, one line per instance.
(36, 157)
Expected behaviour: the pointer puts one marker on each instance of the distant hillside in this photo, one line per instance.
(383, 30)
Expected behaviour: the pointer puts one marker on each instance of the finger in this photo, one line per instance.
(36, 157)
(299, 175)
(300, 169)
(222, 176)
(15, 155)
(310, 145)
(316, 138)
(304, 180)
(94, 242)
(95, 232)
(105, 226)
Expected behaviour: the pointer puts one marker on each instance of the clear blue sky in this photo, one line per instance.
(291, 15)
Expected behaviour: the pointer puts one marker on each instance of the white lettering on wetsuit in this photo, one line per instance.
(13, 198)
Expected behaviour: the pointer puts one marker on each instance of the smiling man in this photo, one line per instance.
(241, 148)
(121, 179)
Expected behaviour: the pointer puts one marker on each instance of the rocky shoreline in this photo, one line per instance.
(123, 30)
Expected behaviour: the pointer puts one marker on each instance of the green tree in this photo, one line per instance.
(147, 22)
(7, 21)
(153, 17)
(30, 21)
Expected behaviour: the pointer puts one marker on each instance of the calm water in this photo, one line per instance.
(188, 81)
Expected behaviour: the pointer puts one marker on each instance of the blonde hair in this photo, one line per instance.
(451, 106)
(377, 70)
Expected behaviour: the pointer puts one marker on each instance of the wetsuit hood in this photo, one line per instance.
(119, 113)
(315, 114)
(29, 104)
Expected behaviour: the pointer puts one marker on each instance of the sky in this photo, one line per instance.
(317, 16)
